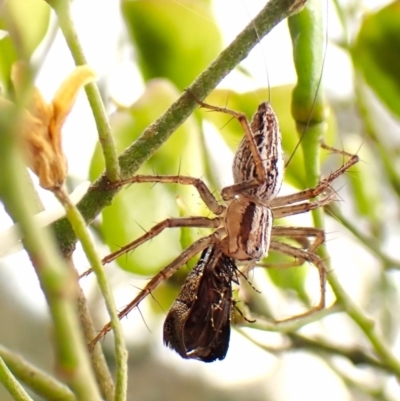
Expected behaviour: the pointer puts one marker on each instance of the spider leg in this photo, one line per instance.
(312, 258)
(164, 274)
(205, 194)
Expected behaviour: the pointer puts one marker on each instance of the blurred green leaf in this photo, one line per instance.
(175, 40)
(366, 198)
(293, 278)
(376, 54)
(27, 22)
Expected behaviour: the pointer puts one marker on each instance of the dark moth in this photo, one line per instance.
(198, 324)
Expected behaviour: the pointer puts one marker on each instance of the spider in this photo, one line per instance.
(243, 226)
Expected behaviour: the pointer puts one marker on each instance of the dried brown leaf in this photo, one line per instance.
(42, 123)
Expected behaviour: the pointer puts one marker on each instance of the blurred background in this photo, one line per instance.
(146, 53)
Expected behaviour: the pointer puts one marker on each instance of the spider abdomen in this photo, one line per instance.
(248, 226)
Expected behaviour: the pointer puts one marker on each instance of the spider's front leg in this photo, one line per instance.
(323, 187)
(196, 221)
(204, 192)
(258, 164)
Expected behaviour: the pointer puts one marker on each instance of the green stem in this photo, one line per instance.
(342, 20)
(99, 363)
(308, 104)
(308, 47)
(63, 11)
(369, 243)
(81, 231)
(365, 324)
(59, 285)
(158, 132)
(11, 384)
(298, 342)
(356, 355)
(290, 326)
(40, 382)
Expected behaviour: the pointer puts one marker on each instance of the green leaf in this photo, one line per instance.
(376, 54)
(168, 33)
(27, 22)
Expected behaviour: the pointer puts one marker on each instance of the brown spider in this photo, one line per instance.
(244, 228)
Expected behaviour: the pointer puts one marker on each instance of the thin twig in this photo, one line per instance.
(58, 284)
(63, 11)
(91, 253)
(40, 382)
(310, 145)
(11, 384)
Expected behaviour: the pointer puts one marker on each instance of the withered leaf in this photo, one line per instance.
(42, 122)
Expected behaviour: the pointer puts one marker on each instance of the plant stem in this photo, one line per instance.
(40, 382)
(388, 262)
(63, 11)
(11, 384)
(58, 284)
(99, 363)
(307, 33)
(81, 231)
